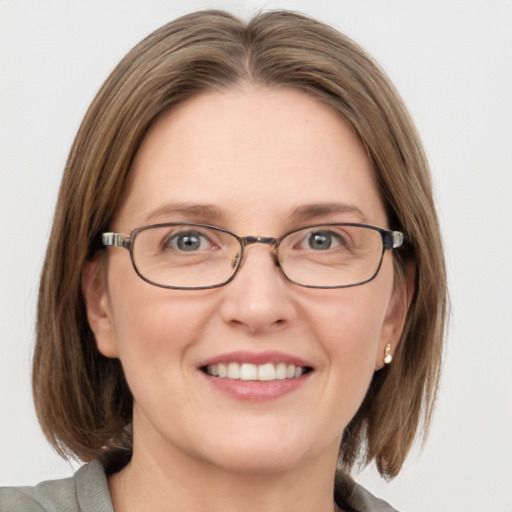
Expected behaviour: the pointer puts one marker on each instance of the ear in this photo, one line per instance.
(396, 314)
(99, 314)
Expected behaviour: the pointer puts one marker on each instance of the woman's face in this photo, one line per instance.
(258, 161)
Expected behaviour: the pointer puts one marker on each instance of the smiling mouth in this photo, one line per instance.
(255, 372)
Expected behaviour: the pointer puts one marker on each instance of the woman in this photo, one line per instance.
(244, 289)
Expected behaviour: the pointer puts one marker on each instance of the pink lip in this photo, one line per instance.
(256, 358)
(255, 391)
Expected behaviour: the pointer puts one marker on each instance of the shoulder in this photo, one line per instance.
(46, 496)
(86, 491)
(356, 498)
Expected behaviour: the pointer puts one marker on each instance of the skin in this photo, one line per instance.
(256, 154)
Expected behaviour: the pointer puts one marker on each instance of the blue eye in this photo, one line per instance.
(322, 240)
(189, 241)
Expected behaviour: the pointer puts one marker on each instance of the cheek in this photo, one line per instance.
(349, 324)
(154, 321)
(154, 329)
(157, 339)
(348, 330)
(350, 346)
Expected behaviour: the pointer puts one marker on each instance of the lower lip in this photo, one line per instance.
(255, 390)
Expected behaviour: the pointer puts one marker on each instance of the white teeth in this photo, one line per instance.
(233, 371)
(267, 372)
(281, 371)
(248, 371)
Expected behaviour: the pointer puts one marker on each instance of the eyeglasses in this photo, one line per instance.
(189, 256)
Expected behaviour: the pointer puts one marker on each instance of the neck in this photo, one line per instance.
(172, 480)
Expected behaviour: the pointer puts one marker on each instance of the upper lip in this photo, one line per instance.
(256, 358)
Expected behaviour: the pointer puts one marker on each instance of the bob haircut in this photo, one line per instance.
(82, 399)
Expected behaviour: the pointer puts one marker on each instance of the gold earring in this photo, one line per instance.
(387, 354)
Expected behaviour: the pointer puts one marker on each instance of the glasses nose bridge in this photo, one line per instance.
(252, 240)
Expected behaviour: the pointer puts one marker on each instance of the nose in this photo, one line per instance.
(259, 299)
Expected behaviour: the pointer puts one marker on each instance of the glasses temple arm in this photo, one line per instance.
(393, 239)
(114, 240)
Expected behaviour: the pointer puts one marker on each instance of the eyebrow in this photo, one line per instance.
(192, 210)
(313, 211)
(212, 213)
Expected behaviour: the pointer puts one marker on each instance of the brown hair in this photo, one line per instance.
(82, 399)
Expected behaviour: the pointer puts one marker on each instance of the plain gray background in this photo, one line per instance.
(451, 61)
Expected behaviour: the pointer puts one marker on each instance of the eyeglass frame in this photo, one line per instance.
(390, 240)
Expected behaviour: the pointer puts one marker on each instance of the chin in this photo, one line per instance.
(266, 453)
(264, 462)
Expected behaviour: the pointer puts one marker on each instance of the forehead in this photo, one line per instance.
(250, 153)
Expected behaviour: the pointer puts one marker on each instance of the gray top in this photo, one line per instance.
(87, 491)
